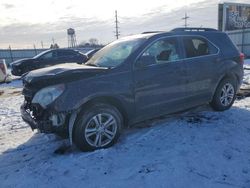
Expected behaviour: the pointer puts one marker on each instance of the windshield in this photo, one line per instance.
(115, 53)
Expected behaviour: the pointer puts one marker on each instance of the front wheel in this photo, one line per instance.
(97, 127)
(224, 95)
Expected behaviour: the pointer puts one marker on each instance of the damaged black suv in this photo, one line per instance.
(130, 80)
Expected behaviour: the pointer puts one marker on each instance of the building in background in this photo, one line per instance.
(234, 19)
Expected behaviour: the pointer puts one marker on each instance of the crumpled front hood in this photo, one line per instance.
(61, 73)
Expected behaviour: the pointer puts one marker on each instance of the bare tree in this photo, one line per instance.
(83, 43)
(93, 41)
(54, 46)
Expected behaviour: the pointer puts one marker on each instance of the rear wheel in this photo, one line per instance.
(224, 95)
(98, 127)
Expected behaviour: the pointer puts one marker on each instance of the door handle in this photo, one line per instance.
(217, 60)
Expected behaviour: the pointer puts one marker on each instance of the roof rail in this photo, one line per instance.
(147, 32)
(193, 29)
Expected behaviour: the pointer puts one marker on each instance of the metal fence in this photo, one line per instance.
(241, 39)
(11, 55)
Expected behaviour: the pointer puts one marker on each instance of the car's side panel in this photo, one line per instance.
(117, 85)
(159, 89)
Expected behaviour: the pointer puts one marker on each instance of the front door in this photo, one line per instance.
(160, 78)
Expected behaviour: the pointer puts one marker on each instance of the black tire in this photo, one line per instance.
(87, 120)
(218, 103)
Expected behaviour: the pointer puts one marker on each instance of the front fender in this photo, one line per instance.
(79, 92)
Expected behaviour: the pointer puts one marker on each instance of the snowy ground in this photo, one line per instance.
(200, 148)
(247, 72)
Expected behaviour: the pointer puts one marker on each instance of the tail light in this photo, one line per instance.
(242, 57)
(2, 67)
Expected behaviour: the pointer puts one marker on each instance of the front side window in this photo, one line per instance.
(195, 47)
(164, 50)
(48, 55)
(42, 54)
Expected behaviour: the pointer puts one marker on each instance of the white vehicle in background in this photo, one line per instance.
(4, 76)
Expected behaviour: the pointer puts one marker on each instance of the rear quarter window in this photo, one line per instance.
(224, 43)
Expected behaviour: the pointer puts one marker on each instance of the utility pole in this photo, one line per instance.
(42, 44)
(185, 18)
(11, 55)
(117, 33)
(35, 48)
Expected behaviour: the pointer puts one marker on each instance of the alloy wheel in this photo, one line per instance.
(100, 130)
(227, 94)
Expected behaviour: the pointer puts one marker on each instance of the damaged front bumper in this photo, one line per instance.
(43, 126)
(44, 120)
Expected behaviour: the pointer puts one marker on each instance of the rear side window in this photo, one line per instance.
(65, 53)
(195, 47)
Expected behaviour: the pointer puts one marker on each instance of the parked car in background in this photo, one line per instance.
(90, 53)
(131, 80)
(47, 58)
(4, 76)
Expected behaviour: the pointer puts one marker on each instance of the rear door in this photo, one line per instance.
(160, 83)
(200, 60)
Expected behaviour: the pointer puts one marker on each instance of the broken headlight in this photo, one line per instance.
(47, 95)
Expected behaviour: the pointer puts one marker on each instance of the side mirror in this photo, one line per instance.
(145, 60)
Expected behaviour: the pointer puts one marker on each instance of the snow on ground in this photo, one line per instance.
(247, 63)
(199, 148)
(15, 83)
(246, 72)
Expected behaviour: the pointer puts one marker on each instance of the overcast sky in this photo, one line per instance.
(27, 22)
